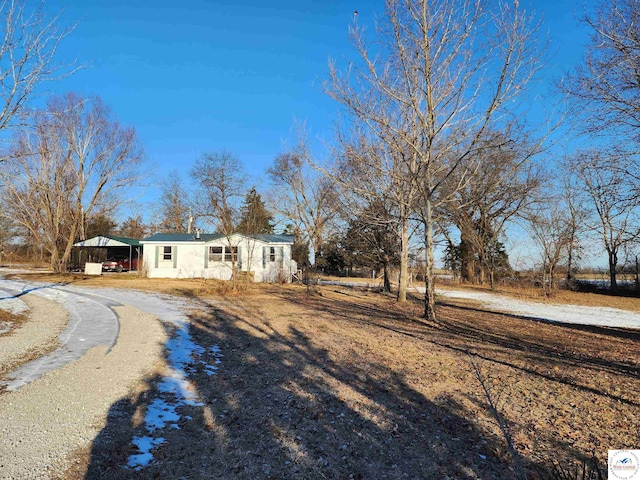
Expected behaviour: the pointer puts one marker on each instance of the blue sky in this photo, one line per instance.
(199, 76)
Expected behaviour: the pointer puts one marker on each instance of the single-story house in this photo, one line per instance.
(200, 255)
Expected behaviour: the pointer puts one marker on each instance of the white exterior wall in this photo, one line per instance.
(191, 260)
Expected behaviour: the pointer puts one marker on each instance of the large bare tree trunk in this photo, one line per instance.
(467, 263)
(403, 277)
(386, 283)
(429, 277)
(613, 264)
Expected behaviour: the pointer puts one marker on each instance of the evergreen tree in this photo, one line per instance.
(372, 240)
(133, 227)
(255, 218)
(100, 224)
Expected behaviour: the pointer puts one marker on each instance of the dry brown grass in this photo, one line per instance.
(9, 321)
(198, 287)
(338, 383)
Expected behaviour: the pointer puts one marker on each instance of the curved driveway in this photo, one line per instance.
(92, 322)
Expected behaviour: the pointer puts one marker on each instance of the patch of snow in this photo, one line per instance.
(183, 357)
(11, 304)
(183, 354)
(159, 413)
(144, 444)
(574, 314)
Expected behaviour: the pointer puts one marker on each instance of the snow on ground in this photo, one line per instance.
(576, 314)
(183, 356)
(11, 304)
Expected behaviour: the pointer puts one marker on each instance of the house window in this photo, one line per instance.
(230, 254)
(167, 254)
(220, 254)
(215, 254)
(272, 254)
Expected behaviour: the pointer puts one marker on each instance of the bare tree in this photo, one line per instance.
(504, 181)
(27, 49)
(222, 185)
(370, 171)
(441, 74)
(174, 205)
(552, 229)
(7, 233)
(301, 195)
(73, 161)
(610, 195)
(577, 215)
(605, 88)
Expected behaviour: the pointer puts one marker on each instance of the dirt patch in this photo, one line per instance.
(339, 383)
(10, 321)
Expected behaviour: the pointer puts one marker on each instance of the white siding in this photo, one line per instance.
(192, 260)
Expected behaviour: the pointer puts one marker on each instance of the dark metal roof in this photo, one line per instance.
(134, 242)
(208, 237)
(272, 238)
(105, 241)
(182, 237)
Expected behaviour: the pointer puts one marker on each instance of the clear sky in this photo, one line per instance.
(199, 76)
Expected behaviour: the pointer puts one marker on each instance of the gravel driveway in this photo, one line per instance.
(46, 420)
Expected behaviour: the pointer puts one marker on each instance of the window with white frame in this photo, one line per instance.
(215, 254)
(272, 254)
(223, 254)
(167, 254)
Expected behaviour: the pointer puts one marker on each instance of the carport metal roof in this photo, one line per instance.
(106, 241)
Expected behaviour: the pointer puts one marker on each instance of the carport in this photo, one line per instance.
(114, 246)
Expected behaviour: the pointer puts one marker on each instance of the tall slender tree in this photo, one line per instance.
(301, 195)
(440, 75)
(221, 186)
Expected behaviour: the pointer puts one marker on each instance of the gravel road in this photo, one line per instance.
(46, 420)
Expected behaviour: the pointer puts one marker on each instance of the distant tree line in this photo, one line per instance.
(434, 149)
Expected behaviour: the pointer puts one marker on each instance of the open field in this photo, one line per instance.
(202, 287)
(333, 382)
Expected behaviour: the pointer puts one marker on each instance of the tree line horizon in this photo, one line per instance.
(435, 146)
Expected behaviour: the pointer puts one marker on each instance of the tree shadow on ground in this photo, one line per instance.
(282, 406)
(460, 329)
(599, 363)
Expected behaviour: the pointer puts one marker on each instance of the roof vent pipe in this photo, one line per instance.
(197, 234)
(189, 223)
